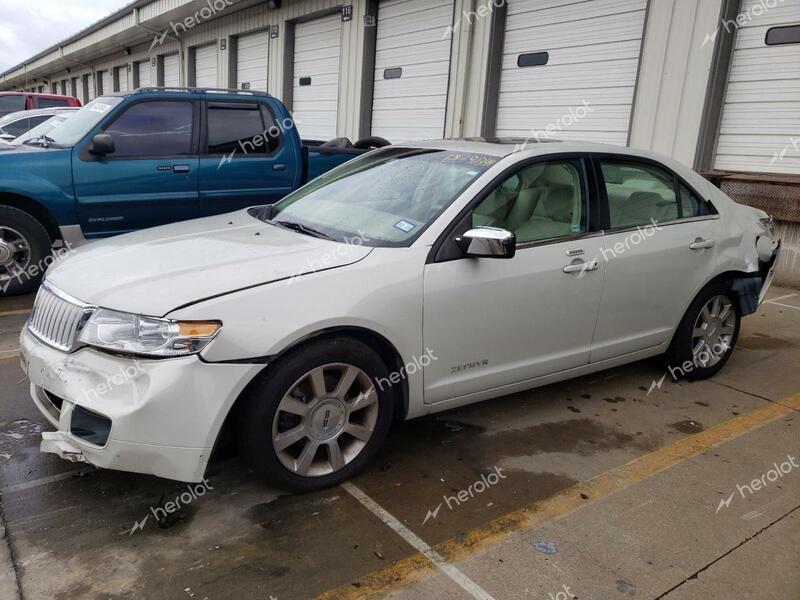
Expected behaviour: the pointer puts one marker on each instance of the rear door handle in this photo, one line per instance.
(181, 169)
(279, 167)
(701, 244)
(582, 267)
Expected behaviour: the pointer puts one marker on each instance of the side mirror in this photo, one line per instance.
(6, 137)
(102, 144)
(488, 242)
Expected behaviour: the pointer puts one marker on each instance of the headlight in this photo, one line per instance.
(135, 334)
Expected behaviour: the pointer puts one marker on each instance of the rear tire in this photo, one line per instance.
(24, 246)
(707, 335)
(317, 417)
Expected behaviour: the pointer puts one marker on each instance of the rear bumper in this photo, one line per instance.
(157, 417)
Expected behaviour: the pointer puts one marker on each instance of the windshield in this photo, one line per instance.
(83, 121)
(44, 129)
(386, 198)
(9, 104)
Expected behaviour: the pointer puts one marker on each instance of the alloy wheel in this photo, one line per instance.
(325, 420)
(15, 253)
(713, 332)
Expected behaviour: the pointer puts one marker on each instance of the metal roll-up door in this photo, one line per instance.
(412, 69)
(252, 54)
(317, 49)
(143, 74)
(571, 66)
(760, 127)
(107, 79)
(172, 70)
(122, 75)
(205, 66)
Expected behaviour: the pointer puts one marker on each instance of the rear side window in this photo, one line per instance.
(51, 102)
(241, 129)
(638, 194)
(9, 104)
(152, 129)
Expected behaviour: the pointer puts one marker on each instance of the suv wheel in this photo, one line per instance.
(318, 417)
(707, 334)
(24, 244)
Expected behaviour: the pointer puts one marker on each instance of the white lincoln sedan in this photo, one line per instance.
(412, 280)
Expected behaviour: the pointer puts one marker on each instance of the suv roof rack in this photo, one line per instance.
(197, 90)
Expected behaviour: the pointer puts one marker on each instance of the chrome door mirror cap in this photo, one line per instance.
(488, 242)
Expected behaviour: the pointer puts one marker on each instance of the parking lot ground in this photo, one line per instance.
(621, 484)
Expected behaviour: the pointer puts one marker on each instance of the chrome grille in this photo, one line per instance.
(57, 318)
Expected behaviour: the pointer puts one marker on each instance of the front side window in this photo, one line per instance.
(638, 194)
(153, 129)
(542, 201)
(239, 128)
(385, 198)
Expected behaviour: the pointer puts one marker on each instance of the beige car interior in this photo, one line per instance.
(540, 202)
(638, 194)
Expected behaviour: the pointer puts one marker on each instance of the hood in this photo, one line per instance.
(154, 271)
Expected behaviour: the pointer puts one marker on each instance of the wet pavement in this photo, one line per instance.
(535, 495)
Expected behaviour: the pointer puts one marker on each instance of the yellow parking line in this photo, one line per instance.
(417, 566)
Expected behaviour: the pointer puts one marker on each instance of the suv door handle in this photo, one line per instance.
(181, 169)
(701, 244)
(582, 267)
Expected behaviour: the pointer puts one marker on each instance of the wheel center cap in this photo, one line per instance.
(327, 420)
(5, 253)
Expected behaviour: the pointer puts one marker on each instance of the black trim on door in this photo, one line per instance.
(442, 249)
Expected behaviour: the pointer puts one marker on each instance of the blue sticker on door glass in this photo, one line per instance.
(404, 226)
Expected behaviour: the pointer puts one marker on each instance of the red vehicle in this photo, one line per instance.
(15, 101)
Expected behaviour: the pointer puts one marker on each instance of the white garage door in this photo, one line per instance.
(172, 70)
(107, 80)
(143, 73)
(205, 65)
(122, 73)
(760, 129)
(412, 67)
(316, 76)
(251, 61)
(561, 56)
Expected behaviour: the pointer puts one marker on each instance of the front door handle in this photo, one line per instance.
(582, 267)
(181, 169)
(279, 167)
(701, 244)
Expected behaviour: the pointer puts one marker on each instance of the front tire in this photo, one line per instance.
(318, 416)
(24, 246)
(707, 335)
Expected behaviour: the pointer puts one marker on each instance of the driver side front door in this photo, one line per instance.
(491, 322)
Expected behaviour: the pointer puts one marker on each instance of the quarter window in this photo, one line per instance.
(541, 201)
(152, 129)
(239, 128)
(691, 205)
(638, 194)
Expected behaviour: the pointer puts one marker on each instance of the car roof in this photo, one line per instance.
(22, 114)
(503, 147)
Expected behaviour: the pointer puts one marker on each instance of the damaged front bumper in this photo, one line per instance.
(157, 417)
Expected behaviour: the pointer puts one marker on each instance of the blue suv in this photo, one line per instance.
(128, 161)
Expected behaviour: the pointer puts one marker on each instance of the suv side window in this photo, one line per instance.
(241, 128)
(153, 129)
(638, 194)
(541, 201)
(51, 102)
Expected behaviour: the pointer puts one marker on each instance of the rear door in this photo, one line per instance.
(150, 179)
(659, 249)
(246, 158)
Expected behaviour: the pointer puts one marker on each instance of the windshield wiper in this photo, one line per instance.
(300, 228)
(44, 140)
